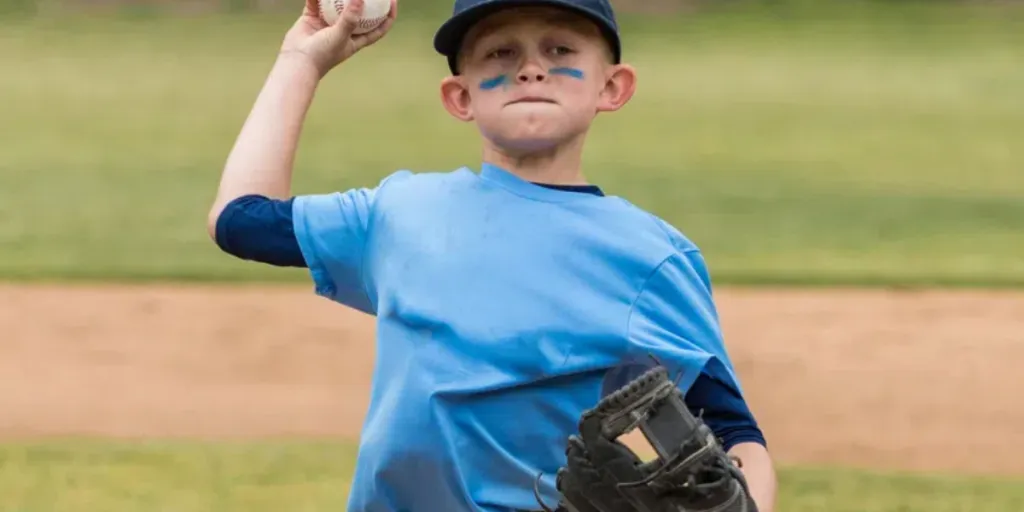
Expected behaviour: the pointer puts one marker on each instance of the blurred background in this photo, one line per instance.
(853, 171)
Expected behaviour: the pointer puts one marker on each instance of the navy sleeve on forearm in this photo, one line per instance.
(719, 405)
(257, 228)
(724, 411)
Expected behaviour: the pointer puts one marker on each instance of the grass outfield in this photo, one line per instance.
(791, 149)
(104, 477)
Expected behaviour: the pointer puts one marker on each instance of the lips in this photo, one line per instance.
(531, 99)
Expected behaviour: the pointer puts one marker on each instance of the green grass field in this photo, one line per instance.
(313, 476)
(791, 149)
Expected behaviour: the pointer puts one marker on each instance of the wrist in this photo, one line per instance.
(299, 65)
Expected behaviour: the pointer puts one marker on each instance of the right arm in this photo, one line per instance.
(261, 159)
(260, 163)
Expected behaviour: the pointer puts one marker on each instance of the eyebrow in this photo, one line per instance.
(563, 20)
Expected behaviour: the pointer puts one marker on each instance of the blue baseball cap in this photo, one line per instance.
(448, 39)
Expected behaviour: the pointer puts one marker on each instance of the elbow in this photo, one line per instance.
(212, 218)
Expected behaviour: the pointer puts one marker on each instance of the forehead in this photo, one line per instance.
(514, 19)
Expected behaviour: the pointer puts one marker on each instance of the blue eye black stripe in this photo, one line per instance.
(572, 72)
(494, 83)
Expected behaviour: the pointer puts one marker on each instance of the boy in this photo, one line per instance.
(509, 297)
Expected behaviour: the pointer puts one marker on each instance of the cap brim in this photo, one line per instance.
(448, 39)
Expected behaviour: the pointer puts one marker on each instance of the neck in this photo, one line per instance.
(559, 165)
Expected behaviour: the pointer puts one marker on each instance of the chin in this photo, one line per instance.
(527, 136)
(526, 145)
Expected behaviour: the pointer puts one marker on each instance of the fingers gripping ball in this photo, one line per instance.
(374, 13)
(692, 473)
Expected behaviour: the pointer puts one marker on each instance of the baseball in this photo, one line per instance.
(374, 13)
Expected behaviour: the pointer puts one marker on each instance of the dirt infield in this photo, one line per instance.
(910, 380)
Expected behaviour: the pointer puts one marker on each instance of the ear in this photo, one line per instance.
(619, 87)
(456, 99)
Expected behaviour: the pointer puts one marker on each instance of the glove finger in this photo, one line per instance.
(602, 450)
(573, 494)
(597, 485)
(578, 463)
(612, 455)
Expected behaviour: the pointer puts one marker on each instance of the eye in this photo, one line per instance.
(562, 50)
(500, 53)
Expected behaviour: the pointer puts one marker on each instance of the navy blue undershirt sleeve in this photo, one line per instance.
(720, 406)
(724, 411)
(257, 228)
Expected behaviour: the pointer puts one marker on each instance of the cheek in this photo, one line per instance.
(499, 81)
(576, 79)
(569, 72)
(486, 91)
(581, 93)
(487, 104)
(492, 76)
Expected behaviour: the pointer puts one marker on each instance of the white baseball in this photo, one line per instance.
(374, 13)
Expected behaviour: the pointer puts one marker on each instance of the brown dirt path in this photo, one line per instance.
(910, 380)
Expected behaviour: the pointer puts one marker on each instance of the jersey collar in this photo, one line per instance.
(530, 190)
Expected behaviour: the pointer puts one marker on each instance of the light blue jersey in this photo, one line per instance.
(500, 306)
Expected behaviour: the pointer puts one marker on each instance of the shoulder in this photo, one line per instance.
(401, 187)
(677, 258)
(671, 233)
(653, 228)
(411, 188)
(406, 181)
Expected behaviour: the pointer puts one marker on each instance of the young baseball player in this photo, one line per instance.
(509, 294)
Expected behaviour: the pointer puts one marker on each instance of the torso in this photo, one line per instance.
(498, 315)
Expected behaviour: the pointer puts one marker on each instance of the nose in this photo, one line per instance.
(531, 73)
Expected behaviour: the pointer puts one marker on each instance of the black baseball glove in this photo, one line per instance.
(692, 473)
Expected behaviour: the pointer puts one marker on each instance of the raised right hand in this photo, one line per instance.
(325, 45)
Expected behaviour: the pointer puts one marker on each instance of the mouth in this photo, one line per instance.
(532, 99)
